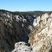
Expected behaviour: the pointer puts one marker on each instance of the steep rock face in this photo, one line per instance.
(41, 37)
(13, 28)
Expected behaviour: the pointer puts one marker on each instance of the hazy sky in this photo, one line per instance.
(26, 5)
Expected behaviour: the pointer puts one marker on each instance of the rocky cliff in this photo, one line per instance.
(14, 27)
(41, 37)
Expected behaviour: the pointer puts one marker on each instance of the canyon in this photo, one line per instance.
(32, 29)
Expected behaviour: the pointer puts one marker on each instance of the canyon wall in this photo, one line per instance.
(14, 28)
(41, 37)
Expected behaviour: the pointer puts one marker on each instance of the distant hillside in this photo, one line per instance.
(27, 13)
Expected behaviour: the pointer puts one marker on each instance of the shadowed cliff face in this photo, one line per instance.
(14, 28)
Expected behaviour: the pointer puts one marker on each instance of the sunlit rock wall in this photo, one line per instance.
(41, 37)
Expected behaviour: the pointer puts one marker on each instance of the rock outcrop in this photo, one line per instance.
(22, 47)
